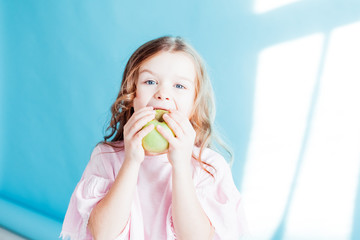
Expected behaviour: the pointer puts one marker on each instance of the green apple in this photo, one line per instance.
(154, 142)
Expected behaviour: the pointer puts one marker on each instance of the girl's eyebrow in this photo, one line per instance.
(147, 70)
(154, 74)
(185, 79)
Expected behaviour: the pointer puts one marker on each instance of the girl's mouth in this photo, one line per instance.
(155, 108)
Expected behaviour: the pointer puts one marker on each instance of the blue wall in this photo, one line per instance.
(61, 64)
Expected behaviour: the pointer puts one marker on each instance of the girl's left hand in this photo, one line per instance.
(181, 145)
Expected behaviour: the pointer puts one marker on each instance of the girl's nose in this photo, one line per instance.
(162, 95)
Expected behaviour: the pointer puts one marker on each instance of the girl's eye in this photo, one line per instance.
(150, 82)
(179, 86)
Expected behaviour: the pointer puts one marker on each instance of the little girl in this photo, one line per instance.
(186, 192)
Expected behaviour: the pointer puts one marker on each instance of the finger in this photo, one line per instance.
(145, 108)
(139, 114)
(178, 116)
(145, 131)
(166, 134)
(183, 121)
(140, 123)
(142, 110)
(135, 118)
(174, 125)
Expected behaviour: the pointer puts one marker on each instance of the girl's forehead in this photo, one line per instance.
(170, 63)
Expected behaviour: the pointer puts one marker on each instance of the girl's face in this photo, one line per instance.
(166, 81)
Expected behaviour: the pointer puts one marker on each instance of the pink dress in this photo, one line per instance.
(151, 217)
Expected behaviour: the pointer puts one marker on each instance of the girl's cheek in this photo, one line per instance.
(137, 103)
(141, 99)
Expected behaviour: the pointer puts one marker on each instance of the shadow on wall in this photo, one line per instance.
(304, 154)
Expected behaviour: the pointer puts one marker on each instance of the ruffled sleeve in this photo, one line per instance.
(92, 187)
(221, 201)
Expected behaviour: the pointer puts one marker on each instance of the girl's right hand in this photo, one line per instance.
(133, 134)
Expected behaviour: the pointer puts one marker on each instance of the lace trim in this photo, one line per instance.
(65, 235)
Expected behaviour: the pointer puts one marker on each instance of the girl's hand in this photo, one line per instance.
(133, 134)
(181, 145)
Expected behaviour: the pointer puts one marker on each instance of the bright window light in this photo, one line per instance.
(324, 198)
(262, 6)
(285, 81)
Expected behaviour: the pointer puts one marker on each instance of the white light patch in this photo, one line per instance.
(262, 6)
(325, 195)
(285, 82)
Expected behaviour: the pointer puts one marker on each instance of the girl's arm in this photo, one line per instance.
(190, 220)
(110, 216)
